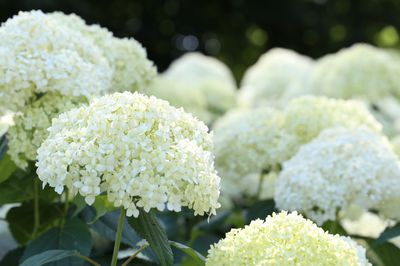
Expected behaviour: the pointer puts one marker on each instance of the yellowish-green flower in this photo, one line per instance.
(210, 77)
(339, 170)
(132, 70)
(278, 75)
(307, 116)
(360, 71)
(31, 123)
(38, 54)
(248, 142)
(139, 150)
(285, 239)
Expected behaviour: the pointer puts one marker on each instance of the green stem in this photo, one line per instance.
(87, 259)
(36, 216)
(260, 184)
(135, 254)
(118, 237)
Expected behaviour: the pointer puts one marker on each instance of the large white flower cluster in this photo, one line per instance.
(360, 71)
(307, 116)
(132, 70)
(278, 75)
(56, 55)
(250, 142)
(338, 170)
(139, 150)
(31, 124)
(285, 239)
(38, 55)
(210, 77)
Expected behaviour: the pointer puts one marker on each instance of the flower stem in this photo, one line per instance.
(36, 215)
(87, 259)
(118, 237)
(135, 254)
(260, 184)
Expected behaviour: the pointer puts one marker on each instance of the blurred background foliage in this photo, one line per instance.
(238, 31)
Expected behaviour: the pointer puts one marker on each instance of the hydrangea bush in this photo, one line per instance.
(92, 171)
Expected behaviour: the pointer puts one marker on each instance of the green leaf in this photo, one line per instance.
(385, 254)
(150, 229)
(48, 256)
(389, 233)
(260, 209)
(19, 188)
(214, 223)
(102, 206)
(196, 256)
(20, 220)
(107, 226)
(12, 257)
(334, 227)
(7, 167)
(78, 205)
(74, 235)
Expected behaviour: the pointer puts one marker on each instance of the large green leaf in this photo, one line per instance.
(385, 254)
(12, 257)
(20, 220)
(149, 228)
(7, 167)
(197, 258)
(107, 226)
(20, 187)
(74, 235)
(48, 256)
(389, 233)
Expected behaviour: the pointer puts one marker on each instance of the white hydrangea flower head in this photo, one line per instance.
(250, 142)
(139, 150)
(31, 123)
(285, 239)
(208, 75)
(307, 116)
(132, 70)
(338, 170)
(38, 55)
(190, 98)
(360, 71)
(278, 75)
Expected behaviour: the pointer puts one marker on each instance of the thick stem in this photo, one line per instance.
(118, 237)
(134, 255)
(36, 214)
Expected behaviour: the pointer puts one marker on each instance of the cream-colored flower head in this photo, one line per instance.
(38, 54)
(307, 116)
(387, 112)
(278, 75)
(338, 170)
(209, 76)
(360, 71)
(285, 239)
(132, 70)
(190, 98)
(31, 123)
(250, 142)
(139, 150)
